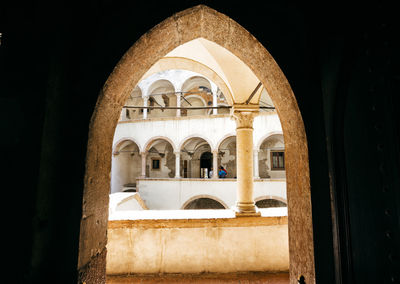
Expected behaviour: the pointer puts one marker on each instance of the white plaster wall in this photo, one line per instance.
(212, 128)
(124, 169)
(172, 194)
(197, 250)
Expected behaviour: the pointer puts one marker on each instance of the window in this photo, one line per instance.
(278, 160)
(155, 163)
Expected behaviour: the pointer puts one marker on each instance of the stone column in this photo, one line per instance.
(244, 116)
(177, 164)
(143, 155)
(178, 103)
(145, 104)
(215, 164)
(255, 159)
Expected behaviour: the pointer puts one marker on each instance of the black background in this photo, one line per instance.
(341, 60)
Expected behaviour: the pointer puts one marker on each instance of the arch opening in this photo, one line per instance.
(238, 41)
(204, 203)
(270, 203)
(125, 166)
(195, 164)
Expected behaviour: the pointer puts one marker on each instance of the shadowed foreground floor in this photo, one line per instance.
(242, 278)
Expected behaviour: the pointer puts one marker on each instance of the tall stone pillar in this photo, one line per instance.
(145, 104)
(143, 155)
(178, 103)
(215, 164)
(177, 164)
(244, 116)
(255, 160)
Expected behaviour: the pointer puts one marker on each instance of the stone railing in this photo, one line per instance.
(159, 242)
(172, 194)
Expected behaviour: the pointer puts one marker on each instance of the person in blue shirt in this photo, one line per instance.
(222, 172)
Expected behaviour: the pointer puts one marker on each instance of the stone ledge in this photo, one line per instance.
(153, 119)
(206, 218)
(210, 179)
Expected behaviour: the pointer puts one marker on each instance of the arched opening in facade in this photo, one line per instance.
(161, 94)
(134, 99)
(126, 166)
(193, 158)
(271, 157)
(160, 159)
(227, 156)
(204, 203)
(268, 203)
(215, 27)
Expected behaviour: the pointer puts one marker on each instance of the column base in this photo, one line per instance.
(246, 210)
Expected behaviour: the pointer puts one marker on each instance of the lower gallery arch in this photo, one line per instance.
(196, 22)
(204, 196)
(276, 201)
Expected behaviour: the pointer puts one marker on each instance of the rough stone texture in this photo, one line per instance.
(209, 278)
(95, 270)
(151, 47)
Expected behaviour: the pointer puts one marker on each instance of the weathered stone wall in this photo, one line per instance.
(196, 246)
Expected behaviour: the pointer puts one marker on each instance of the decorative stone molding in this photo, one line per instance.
(244, 115)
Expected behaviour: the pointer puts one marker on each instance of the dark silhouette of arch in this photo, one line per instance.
(268, 203)
(204, 203)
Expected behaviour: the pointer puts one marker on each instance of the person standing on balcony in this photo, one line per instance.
(222, 172)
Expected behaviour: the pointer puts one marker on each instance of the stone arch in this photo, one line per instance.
(187, 81)
(182, 63)
(223, 139)
(270, 134)
(204, 196)
(197, 22)
(195, 136)
(152, 139)
(122, 140)
(157, 84)
(270, 197)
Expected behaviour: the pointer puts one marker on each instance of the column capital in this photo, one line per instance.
(244, 115)
(177, 152)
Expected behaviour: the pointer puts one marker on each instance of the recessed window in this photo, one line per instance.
(155, 164)
(278, 160)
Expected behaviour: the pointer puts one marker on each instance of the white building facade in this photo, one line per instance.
(169, 146)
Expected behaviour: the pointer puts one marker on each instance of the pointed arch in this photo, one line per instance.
(197, 22)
